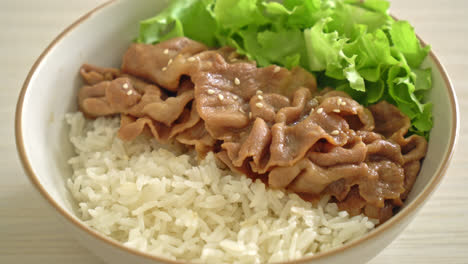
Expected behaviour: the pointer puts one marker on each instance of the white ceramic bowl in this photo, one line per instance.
(101, 37)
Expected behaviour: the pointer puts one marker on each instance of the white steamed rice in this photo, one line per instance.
(156, 199)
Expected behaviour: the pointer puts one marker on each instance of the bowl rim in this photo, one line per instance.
(407, 210)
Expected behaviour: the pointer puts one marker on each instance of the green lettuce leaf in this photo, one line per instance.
(423, 123)
(292, 41)
(304, 13)
(347, 18)
(373, 52)
(323, 48)
(423, 78)
(374, 91)
(405, 40)
(355, 80)
(374, 5)
(181, 18)
(235, 14)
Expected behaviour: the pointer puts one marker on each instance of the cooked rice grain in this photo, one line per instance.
(157, 199)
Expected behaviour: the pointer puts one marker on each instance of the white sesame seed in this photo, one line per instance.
(311, 111)
(259, 105)
(260, 97)
(343, 103)
(130, 92)
(211, 91)
(235, 97)
(125, 85)
(339, 101)
(221, 97)
(313, 102)
(237, 81)
(320, 110)
(166, 51)
(169, 62)
(336, 110)
(335, 133)
(259, 92)
(164, 69)
(277, 69)
(250, 115)
(241, 110)
(191, 59)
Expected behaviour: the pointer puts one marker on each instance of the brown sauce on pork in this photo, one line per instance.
(269, 123)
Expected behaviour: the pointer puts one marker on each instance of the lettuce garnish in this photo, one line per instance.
(351, 45)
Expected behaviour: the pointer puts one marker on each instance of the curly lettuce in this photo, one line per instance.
(352, 45)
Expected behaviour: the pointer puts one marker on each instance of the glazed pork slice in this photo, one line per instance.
(163, 64)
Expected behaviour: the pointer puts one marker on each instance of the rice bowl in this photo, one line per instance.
(23, 140)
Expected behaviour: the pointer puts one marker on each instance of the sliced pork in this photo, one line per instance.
(269, 123)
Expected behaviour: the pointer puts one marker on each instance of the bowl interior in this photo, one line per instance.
(98, 39)
(51, 91)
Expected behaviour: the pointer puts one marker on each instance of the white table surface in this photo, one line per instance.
(30, 231)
